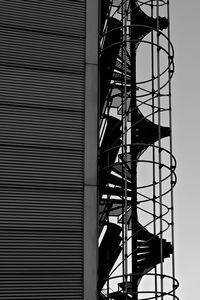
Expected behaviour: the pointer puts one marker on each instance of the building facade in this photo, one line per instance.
(87, 170)
(48, 223)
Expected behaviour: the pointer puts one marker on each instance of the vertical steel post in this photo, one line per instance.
(171, 159)
(133, 156)
(124, 143)
(153, 148)
(160, 151)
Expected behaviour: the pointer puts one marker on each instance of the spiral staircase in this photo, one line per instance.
(136, 220)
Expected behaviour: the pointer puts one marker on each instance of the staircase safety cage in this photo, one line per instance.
(136, 164)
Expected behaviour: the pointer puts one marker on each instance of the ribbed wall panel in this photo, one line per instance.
(42, 61)
(37, 210)
(65, 17)
(38, 167)
(39, 51)
(37, 127)
(15, 86)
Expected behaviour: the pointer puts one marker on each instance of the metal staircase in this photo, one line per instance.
(136, 226)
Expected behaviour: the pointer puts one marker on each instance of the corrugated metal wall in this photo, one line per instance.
(42, 61)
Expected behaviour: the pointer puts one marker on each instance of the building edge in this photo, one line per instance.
(91, 135)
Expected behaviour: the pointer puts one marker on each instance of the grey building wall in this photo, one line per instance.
(46, 183)
(91, 138)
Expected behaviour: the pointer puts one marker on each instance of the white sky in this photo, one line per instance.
(185, 25)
